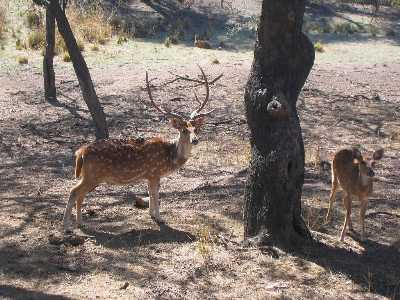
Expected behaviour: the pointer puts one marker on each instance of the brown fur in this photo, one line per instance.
(355, 176)
(202, 43)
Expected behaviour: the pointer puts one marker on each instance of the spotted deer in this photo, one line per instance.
(355, 175)
(126, 161)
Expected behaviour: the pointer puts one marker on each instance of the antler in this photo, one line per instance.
(167, 113)
(196, 114)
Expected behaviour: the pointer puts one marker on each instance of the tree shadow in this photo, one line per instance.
(376, 268)
(18, 293)
(135, 238)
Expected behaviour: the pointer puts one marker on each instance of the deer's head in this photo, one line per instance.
(366, 165)
(188, 127)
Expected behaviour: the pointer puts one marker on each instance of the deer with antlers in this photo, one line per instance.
(126, 161)
(355, 175)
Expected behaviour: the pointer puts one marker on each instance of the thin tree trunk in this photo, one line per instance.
(48, 69)
(81, 70)
(283, 58)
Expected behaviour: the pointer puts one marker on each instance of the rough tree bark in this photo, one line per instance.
(81, 70)
(283, 58)
(48, 69)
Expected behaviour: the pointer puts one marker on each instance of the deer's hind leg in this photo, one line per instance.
(76, 196)
(347, 220)
(332, 197)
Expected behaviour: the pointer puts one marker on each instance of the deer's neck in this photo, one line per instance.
(183, 149)
(364, 180)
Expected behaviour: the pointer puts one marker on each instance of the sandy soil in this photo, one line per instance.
(351, 97)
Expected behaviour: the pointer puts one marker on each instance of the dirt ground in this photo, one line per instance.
(352, 97)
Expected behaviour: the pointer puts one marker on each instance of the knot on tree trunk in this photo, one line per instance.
(278, 108)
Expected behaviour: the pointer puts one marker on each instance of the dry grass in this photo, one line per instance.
(90, 23)
(3, 17)
(36, 39)
(22, 60)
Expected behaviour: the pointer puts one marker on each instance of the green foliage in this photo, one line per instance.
(319, 47)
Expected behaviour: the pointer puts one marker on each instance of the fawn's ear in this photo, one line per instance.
(378, 154)
(198, 122)
(177, 123)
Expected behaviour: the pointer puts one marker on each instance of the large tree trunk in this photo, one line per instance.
(283, 58)
(48, 69)
(81, 70)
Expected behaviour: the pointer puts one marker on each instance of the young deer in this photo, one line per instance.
(126, 161)
(355, 176)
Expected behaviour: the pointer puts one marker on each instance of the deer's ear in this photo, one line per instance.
(198, 122)
(378, 154)
(176, 123)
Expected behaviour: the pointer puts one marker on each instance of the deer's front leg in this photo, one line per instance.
(153, 187)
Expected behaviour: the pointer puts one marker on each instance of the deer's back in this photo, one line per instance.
(121, 161)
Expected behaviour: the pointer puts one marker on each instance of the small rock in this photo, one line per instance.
(55, 239)
(124, 286)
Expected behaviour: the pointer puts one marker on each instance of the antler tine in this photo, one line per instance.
(164, 112)
(196, 114)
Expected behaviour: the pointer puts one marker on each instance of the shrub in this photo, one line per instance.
(36, 39)
(22, 60)
(215, 61)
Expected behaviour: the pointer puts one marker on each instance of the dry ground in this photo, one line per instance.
(351, 97)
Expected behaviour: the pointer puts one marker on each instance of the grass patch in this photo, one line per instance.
(36, 39)
(319, 47)
(66, 57)
(90, 23)
(94, 48)
(22, 60)
(19, 45)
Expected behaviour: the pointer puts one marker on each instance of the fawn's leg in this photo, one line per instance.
(332, 197)
(363, 209)
(153, 187)
(347, 205)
